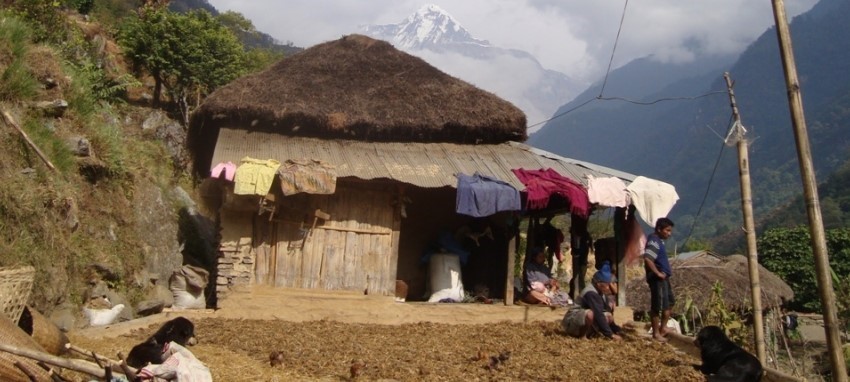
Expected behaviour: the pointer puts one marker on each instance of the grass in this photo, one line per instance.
(16, 81)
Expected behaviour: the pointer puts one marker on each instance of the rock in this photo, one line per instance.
(161, 293)
(97, 289)
(149, 307)
(64, 317)
(54, 108)
(104, 271)
(79, 146)
(118, 299)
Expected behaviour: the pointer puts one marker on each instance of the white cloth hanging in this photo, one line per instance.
(653, 199)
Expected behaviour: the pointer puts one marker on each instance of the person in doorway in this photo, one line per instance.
(540, 286)
(658, 273)
(593, 315)
(580, 242)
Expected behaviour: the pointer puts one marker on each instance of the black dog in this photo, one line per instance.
(179, 330)
(723, 360)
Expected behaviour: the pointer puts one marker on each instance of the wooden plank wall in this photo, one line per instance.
(350, 251)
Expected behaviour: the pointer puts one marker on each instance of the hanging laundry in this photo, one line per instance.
(479, 195)
(541, 184)
(608, 192)
(308, 176)
(224, 170)
(254, 176)
(653, 199)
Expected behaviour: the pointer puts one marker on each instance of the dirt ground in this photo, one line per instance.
(320, 336)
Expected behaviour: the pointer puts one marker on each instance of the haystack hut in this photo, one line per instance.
(391, 133)
(696, 273)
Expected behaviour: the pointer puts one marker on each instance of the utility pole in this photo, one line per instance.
(739, 132)
(810, 192)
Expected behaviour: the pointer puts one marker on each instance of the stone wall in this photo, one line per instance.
(236, 253)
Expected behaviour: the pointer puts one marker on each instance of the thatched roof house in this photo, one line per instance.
(694, 277)
(356, 88)
(396, 132)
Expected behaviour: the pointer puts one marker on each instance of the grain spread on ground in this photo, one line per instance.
(238, 350)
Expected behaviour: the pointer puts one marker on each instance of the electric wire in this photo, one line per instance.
(660, 99)
(605, 82)
(614, 50)
(708, 187)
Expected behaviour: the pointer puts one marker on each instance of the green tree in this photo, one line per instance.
(788, 253)
(189, 55)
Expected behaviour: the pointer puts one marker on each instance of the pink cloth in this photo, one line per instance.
(228, 168)
(541, 184)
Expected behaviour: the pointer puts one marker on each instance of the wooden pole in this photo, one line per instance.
(73, 364)
(810, 192)
(749, 224)
(11, 122)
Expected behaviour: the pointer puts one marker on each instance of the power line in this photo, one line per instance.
(708, 187)
(614, 50)
(660, 99)
(564, 113)
(605, 82)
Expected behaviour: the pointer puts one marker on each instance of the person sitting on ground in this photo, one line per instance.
(593, 315)
(540, 286)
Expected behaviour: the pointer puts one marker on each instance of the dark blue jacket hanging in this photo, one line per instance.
(480, 196)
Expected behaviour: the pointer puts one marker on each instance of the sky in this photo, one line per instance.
(575, 37)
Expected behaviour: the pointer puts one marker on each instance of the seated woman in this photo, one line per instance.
(539, 286)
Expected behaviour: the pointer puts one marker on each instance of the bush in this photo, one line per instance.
(16, 81)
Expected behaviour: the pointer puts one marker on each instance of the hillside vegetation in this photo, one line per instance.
(110, 200)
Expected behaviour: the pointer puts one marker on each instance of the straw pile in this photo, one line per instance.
(695, 277)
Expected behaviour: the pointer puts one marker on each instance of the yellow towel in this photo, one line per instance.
(254, 176)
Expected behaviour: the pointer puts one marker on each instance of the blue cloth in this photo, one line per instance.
(656, 251)
(480, 196)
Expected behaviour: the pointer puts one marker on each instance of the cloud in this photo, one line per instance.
(574, 37)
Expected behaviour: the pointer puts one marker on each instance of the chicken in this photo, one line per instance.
(275, 358)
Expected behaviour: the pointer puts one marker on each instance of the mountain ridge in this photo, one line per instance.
(681, 142)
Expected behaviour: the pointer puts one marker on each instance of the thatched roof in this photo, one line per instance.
(695, 277)
(357, 88)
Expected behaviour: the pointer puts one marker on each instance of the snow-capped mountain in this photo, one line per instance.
(515, 75)
(430, 27)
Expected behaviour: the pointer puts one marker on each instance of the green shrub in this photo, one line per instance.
(45, 17)
(16, 81)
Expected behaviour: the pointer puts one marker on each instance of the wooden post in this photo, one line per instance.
(620, 266)
(11, 122)
(509, 282)
(810, 191)
(749, 224)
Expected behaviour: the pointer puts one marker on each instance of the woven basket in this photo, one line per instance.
(10, 334)
(43, 331)
(15, 289)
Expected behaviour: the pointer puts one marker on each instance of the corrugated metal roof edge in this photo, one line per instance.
(620, 174)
